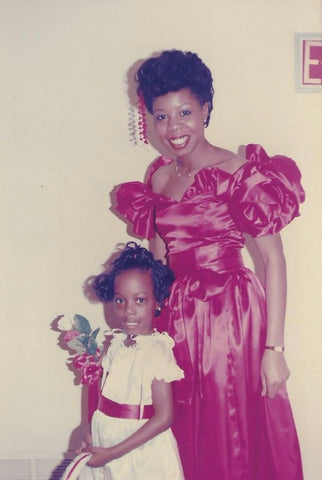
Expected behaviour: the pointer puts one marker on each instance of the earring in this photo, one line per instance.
(157, 312)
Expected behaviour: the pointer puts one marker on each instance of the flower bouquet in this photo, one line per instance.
(79, 338)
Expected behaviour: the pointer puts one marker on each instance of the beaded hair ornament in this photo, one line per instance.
(142, 120)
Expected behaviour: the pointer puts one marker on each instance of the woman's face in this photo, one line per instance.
(179, 121)
(134, 302)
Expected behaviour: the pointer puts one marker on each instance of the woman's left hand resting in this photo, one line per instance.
(100, 456)
(274, 372)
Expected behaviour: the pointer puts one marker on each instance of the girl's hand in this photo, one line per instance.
(274, 372)
(87, 442)
(100, 456)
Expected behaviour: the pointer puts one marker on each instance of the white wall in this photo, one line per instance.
(65, 144)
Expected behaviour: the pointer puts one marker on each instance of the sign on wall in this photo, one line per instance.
(308, 62)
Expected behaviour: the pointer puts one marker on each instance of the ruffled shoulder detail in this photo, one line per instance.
(135, 201)
(265, 192)
(209, 179)
(155, 337)
(118, 337)
(162, 363)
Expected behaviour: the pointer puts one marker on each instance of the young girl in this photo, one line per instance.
(131, 426)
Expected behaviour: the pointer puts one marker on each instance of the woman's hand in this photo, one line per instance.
(274, 372)
(100, 456)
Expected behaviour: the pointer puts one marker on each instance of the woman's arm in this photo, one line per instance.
(162, 419)
(159, 181)
(158, 248)
(274, 370)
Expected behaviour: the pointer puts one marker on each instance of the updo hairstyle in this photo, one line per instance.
(135, 257)
(171, 71)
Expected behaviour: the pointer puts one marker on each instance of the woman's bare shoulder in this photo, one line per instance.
(161, 177)
(227, 160)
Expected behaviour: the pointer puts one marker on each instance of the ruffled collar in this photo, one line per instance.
(206, 178)
(215, 179)
(119, 337)
(253, 153)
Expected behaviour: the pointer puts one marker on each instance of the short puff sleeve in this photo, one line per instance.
(265, 193)
(118, 338)
(162, 364)
(135, 202)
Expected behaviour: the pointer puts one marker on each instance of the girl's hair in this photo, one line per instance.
(171, 71)
(134, 257)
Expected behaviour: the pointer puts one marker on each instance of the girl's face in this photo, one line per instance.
(179, 121)
(134, 302)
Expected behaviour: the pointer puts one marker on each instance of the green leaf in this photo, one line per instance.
(83, 339)
(82, 324)
(77, 345)
(94, 334)
(92, 347)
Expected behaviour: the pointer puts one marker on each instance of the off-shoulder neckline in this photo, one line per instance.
(212, 168)
(169, 161)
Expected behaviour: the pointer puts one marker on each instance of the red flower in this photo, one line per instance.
(91, 373)
(90, 369)
(79, 361)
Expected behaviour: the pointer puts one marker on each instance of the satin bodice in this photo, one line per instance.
(259, 199)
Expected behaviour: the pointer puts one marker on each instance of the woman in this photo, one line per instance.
(234, 421)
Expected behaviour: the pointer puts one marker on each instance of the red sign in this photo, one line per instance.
(312, 62)
(308, 62)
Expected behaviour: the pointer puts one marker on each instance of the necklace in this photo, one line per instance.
(188, 174)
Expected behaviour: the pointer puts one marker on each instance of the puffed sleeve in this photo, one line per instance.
(266, 193)
(118, 338)
(162, 363)
(135, 202)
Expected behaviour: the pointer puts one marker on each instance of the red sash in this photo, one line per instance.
(123, 410)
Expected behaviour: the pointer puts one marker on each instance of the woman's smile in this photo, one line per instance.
(179, 121)
(179, 142)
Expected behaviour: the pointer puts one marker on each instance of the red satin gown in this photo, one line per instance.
(216, 314)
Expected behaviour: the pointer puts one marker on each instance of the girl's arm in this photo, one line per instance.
(161, 420)
(274, 370)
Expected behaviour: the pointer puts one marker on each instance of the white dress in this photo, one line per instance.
(128, 376)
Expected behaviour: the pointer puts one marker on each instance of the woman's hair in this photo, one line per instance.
(171, 71)
(134, 257)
